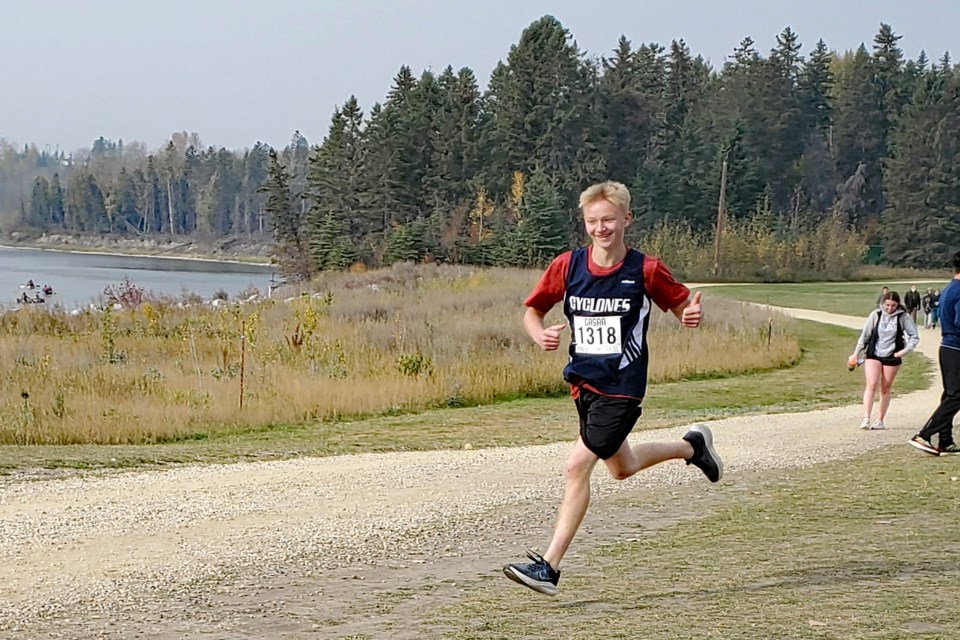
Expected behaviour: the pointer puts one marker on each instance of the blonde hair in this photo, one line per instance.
(616, 193)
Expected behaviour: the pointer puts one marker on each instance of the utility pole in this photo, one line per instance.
(721, 219)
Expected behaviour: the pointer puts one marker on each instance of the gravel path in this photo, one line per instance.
(101, 547)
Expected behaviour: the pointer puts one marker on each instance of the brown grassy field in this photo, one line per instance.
(394, 341)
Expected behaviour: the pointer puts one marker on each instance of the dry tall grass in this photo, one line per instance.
(402, 339)
(758, 248)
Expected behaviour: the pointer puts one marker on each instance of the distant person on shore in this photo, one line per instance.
(888, 334)
(911, 302)
(607, 291)
(925, 305)
(940, 424)
(935, 308)
(883, 291)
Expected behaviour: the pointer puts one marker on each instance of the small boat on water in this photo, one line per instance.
(30, 285)
(38, 294)
(26, 299)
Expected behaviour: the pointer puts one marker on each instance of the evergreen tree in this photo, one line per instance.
(859, 136)
(380, 204)
(681, 170)
(407, 243)
(816, 88)
(152, 199)
(329, 247)
(453, 140)
(542, 111)
(631, 91)
(922, 219)
(290, 250)
(400, 128)
(126, 213)
(254, 219)
(336, 174)
(39, 212)
(890, 87)
(541, 229)
(55, 201)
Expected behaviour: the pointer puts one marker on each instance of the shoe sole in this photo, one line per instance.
(923, 447)
(704, 431)
(547, 589)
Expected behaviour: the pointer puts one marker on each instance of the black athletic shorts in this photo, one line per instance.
(887, 361)
(605, 421)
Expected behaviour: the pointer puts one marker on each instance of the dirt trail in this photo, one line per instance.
(305, 547)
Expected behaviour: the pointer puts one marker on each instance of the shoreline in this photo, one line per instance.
(267, 266)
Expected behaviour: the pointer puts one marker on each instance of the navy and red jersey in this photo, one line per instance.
(607, 309)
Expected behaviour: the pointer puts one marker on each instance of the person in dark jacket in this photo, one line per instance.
(940, 424)
(934, 308)
(911, 302)
(925, 305)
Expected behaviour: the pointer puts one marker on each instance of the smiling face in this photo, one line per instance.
(605, 223)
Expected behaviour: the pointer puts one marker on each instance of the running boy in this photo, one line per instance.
(606, 290)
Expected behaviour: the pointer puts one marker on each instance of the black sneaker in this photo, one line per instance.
(923, 444)
(538, 575)
(704, 456)
(950, 449)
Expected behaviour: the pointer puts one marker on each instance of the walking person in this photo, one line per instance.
(883, 292)
(940, 424)
(934, 308)
(607, 290)
(925, 305)
(888, 335)
(911, 302)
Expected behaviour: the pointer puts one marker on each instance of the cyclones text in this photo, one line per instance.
(599, 305)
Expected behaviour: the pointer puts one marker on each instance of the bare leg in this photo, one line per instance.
(871, 372)
(623, 464)
(629, 460)
(886, 384)
(576, 499)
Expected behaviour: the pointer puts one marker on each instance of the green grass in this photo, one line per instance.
(847, 298)
(820, 379)
(856, 549)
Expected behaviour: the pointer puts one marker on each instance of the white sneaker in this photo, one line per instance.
(865, 423)
(878, 426)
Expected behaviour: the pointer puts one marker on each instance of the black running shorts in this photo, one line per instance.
(605, 421)
(887, 361)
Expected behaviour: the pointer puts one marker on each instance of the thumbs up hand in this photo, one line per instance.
(692, 312)
(550, 338)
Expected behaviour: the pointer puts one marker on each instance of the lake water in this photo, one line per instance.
(79, 279)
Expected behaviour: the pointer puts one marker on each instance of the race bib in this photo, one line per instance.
(597, 335)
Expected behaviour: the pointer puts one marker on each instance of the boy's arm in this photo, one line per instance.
(689, 312)
(667, 293)
(548, 338)
(547, 293)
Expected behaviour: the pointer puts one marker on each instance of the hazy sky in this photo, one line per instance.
(236, 72)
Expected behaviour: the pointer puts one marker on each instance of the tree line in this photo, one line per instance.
(443, 170)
